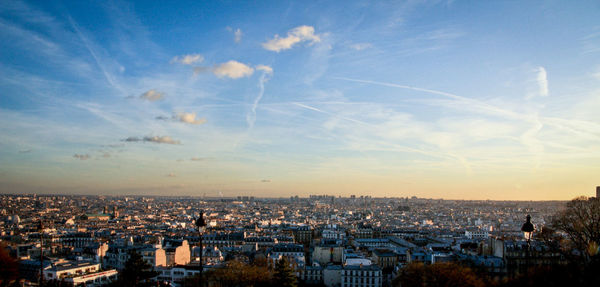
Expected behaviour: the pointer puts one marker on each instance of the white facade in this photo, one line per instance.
(80, 274)
(477, 234)
(94, 279)
(66, 269)
(175, 275)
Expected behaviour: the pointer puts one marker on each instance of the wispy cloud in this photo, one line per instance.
(25, 151)
(81, 156)
(152, 95)
(232, 69)
(532, 131)
(591, 42)
(542, 81)
(237, 34)
(361, 46)
(442, 34)
(153, 139)
(474, 105)
(188, 59)
(294, 36)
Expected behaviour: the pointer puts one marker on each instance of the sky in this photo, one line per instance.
(437, 99)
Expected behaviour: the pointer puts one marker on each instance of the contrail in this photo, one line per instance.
(88, 46)
(251, 116)
(331, 114)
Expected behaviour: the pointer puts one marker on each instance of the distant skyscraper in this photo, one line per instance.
(597, 191)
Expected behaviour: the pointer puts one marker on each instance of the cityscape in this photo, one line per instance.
(327, 240)
(409, 143)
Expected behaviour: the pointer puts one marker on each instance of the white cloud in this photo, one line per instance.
(232, 69)
(188, 59)
(294, 36)
(152, 95)
(265, 69)
(189, 118)
(542, 80)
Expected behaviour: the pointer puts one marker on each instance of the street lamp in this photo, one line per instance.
(200, 223)
(527, 229)
(41, 231)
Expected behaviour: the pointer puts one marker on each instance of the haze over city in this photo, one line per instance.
(440, 99)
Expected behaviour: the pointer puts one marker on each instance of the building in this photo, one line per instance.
(210, 255)
(94, 279)
(294, 252)
(222, 239)
(385, 258)
(332, 275)
(311, 275)
(366, 243)
(477, 234)
(329, 251)
(154, 255)
(69, 269)
(116, 256)
(333, 234)
(364, 231)
(517, 258)
(597, 191)
(361, 275)
(77, 239)
(177, 252)
(175, 275)
(262, 242)
(98, 216)
(303, 235)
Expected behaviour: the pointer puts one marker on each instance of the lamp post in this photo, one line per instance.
(527, 229)
(41, 230)
(200, 223)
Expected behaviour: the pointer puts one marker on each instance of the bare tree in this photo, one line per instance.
(580, 222)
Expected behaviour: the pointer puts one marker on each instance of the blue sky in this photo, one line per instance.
(441, 99)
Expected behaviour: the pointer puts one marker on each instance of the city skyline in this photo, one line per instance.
(442, 99)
